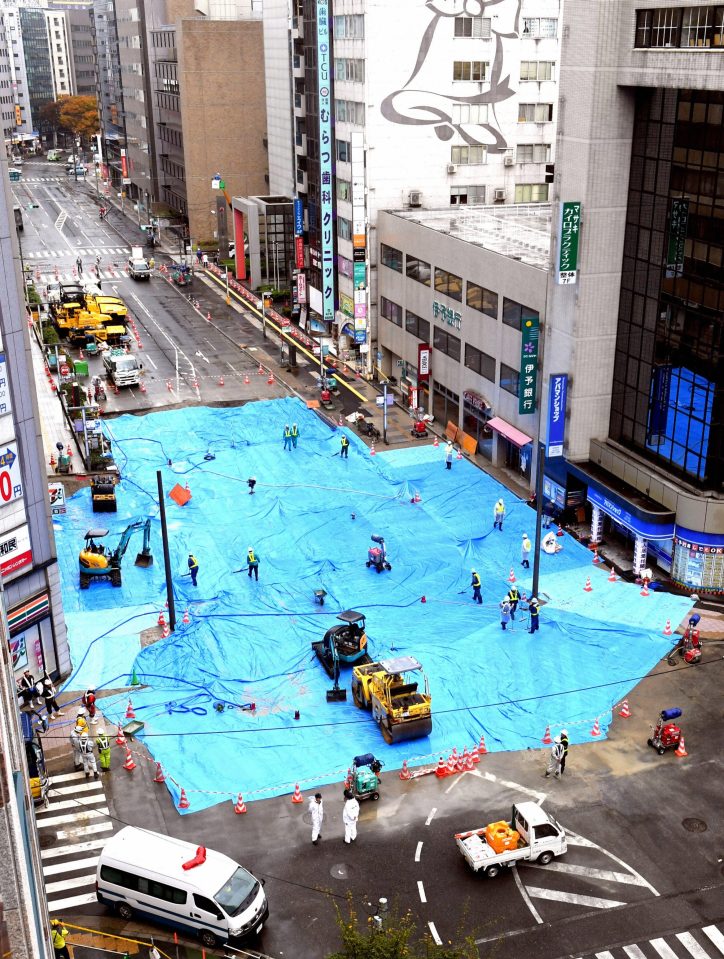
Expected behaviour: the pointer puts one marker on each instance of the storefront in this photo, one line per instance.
(698, 561)
(476, 416)
(32, 643)
(445, 404)
(515, 448)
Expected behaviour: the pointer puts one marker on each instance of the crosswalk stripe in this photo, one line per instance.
(57, 851)
(666, 952)
(590, 872)
(80, 801)
(68, 777)
(604, 955)
(61, 905)
(64, 834)
(77, 883)
(712, 933)
(86, 786)
(593, 902)
(73, 866)
(60, 820)
(692, 946)
(634, 952)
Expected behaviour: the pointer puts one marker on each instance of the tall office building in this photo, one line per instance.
(36, 47)
(110, 90)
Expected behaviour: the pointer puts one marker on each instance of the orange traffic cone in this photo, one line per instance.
(80, 355)
(341, 421)
(560, 530)
(260, 371)
(452, 762)
(129, 763)
(680, 750)
(436, 442)
(52, 461)
(547, 738)
(183, 802)
(186, 618)
(159, 777)
(475, 754)
(667, 628)
(596, 557)
(120, 738)
(297, 797)
(645, 590)
(161, 618)
(405, 772)
(467, 760)
(596, 731)
(588, 588)
(372, 450)
(142, 386)
(270, 380)
(246, 379)
(441, 770)
(511, 578)
(624, 712)
(165, 631)
(460, 454)
(221, 381)
(68, 451)
(612, 576)
(482, 747)
(129, 711)
(240, 806)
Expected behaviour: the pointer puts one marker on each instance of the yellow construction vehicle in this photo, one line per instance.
(112, 307)
(389, 688)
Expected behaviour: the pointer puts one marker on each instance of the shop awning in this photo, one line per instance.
(515, 436)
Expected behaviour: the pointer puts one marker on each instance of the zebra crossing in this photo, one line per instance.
(81, 251)
(43, 179)
(704, 943)
(77, 822)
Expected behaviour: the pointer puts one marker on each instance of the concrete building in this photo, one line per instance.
(110, 91)
(22, 121)
(61, 56)
(83, 51)
(36, 48)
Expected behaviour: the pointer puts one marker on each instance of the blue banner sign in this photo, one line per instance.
(557, 393)
(298, 218)
(663, 530)
(326, 210)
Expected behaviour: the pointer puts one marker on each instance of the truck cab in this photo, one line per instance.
(123, 369)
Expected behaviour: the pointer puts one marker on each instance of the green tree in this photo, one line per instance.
(79, 115)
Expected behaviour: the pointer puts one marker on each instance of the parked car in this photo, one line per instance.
(78, 171)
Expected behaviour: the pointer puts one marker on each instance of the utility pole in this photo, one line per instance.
(166, 554)
(538, 514)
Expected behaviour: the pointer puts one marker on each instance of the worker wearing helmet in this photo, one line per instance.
(534, 610)
(295, 435)
(513, 599)
(104, 750)
(564, 742)
(88, 756)
(556, 758)
(287, 437)
(475, 583)
(193, 568)
(58, 932)
(525, 549)
(499, 515)
(80, 719)
(252, 561)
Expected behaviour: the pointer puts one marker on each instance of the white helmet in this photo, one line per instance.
(82, 711)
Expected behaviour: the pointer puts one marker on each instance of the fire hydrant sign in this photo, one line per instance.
(568, 251)
(11, 479)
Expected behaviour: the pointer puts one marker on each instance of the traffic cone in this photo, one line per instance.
(240, 806)
(467, 760)
(120, 738)
(159, 777)
(405, 772)
(260, 371)
(348, 778)
(115, 389)
(68, 451)
(596, 731)
(596, 557)
(511, 578)
(372, 450)
(246, 379)
(208, 320)
(436, 442)
(645, 590)
(680, 750)
(221, 381)
(441, 771)
(547, 738)
(423, 599)
(183, 802)
(588, 588)
(168, 385)
(459, 763)
(460, 454)
(270, 379)
(129, 764)
(417, 498)
(80, 355)
(475, 754)
(129, 711)
(452, 762)
(341, 421)
(186, 617)
(161, 619)
(667, 628)
(297, 797)
(142, 386)
(134, 678)
(624, 712)
(560, 530)
(481, 747)
(165, 631)
(52, 462)
(612, 576)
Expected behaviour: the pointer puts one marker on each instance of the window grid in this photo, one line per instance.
(535, 112)
(481, 363)
(418, 270)
(470, 113)
(418, 327)
(449, 284)
(469, 155)
(482, 300)
(536, 70)
(540, 27)
(391, 257)
(533, 152)
(513, 313)
(473, 70)
(446, 343)
(391, 311)
(509, 379)
(475, 27)
(531, 192)
(461, 195)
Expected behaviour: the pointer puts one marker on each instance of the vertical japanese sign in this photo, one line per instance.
(529, 364)
(423, 362)
(359, 236)
(568, 253)
(5, 402)
(326, 210)
(678, 223)
(298, 234)
(557, 393)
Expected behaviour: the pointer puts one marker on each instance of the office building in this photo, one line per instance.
(110, 91)
(17, 117)
(36, 47)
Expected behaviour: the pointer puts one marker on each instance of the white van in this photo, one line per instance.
(176, 883)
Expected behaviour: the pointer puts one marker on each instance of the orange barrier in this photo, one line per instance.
(179, 495)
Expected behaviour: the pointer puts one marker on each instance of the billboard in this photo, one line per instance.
(557, 395)
(326, 207)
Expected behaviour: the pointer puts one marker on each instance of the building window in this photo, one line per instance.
(391, 257)
(469, 155)
(449, 284)
(478, 298)
(349, 27)
(346, 69)
(469, 70)
(513, 313)
(461, 195)
(533, 153)
(418, 270)
(478, 27)
(540, 27)
(391, 311)
(531, 192)
(344, 228)
(680, 27)
(665, 27)
(418, 327)
(509, 379)
(536, 70)
(535, 112)
(349, 111)
(446, 343)
(345, 266)
(696, 26)
(480, 362)
(344, 151)
(470, 113)
(344, 190)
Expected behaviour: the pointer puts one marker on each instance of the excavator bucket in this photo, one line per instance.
(337, 694)
(144, 559)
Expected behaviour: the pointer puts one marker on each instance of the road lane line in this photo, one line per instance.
(625, 865)
(150, 361)
(604, 955)
(692, 946)
(634, 952)
(590, 872)
(431, 816)
(62, 905)
(594, 902)
(434, 933)
(93, 830)
(666, 952)
(62, 820)
(418, 852)
(76, 883)
(62, 867)
(421, 890)
(715, 936)
(170, 341)
(72, 849)
(526, 898)
(76, 803)
(67, 777)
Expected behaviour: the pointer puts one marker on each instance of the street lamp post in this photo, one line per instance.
(538, 514)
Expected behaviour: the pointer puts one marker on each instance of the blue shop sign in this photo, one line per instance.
(298, 218)
(645, 528)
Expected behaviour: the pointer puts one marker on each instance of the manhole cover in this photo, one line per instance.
(340, 870)
(694, 825)
(47, 839)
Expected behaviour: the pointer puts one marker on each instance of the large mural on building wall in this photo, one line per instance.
(421, 102)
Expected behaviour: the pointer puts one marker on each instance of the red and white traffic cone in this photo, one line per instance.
(441, 770)
(161, 619)
(452, 760)
(436, 442)
(372, 450)
(645, 590)
(612, 578)
(624, 712)
(246, 379)
(680, 750)
(475, 754)
(482, 748)
(129, 764)
(186, 617)
(165, 631)
(667, 628)
(260, 371)
(129, 711)
(596, 731)
(467, 760)
(159, 777)
(588, 588)
(221, 381)
(297, 797)
(183, 802)
(208, 320)
(511, 578)
(270, 379)
(547, 738)
(460, 454)
(240, 806)
(120, 738)
(341, 421)
(142, 386)
(405, 773)
(596, 557)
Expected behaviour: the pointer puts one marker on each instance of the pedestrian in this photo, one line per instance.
(449, 450)
(316, 809)
(198, 255)
(89, 701)
(79, 265)
(151, 263)
(534, 610)
(81, 720)
(556, 758)
(565, 743)
(513, 599)
(548, 514)
(504, 613)
(26, 688)
(287, 437)
(350, 815)
(525, 552)
(499, 515)
(104, 750)
(193, 568)
(475, 583)
(252, 561)
(345, 447)
(205, 260)
(251, 483)
(98, 260)
(58, 932)
(75, 735)
(295, 435)
(48, 694)
(88, 757)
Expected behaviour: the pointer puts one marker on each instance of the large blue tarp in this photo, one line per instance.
(310, 522)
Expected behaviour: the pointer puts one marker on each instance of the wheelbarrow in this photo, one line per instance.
(132, 728)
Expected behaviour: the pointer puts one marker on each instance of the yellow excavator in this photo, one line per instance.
(97, 561)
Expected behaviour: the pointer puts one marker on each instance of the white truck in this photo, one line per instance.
(540, 837)
(122, 369)
(138, 266)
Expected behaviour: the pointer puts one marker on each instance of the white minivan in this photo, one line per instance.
(195, 889)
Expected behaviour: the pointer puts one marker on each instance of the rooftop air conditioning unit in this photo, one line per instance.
(452, 168)
(508, 159)
(499, 195)
(415, 198)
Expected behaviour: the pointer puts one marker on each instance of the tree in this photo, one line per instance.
(49, 116)
(79, 115)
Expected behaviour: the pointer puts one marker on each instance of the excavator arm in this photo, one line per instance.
(128, 532)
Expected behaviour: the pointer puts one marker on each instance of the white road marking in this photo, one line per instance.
(453, 784)
(67, 777)
(62, 905)
(574, 840)
(715, 936)
(160, 329)
(199, 353)
(76, 883)
(72, 804)
(590, 873)
(535, 794)
(61, 820)
(634, 952)
(418, 852)
(73, 848)
(691, 945)
(421, 890)
(604, 955)
(431, 816)
(150, 361)
(666, 952)
(62, 867)
(524, 893)
(93, 830)
(625, 865)
(593, 902)
(434, 933)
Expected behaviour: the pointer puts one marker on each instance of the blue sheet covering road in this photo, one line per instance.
(310, 522)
